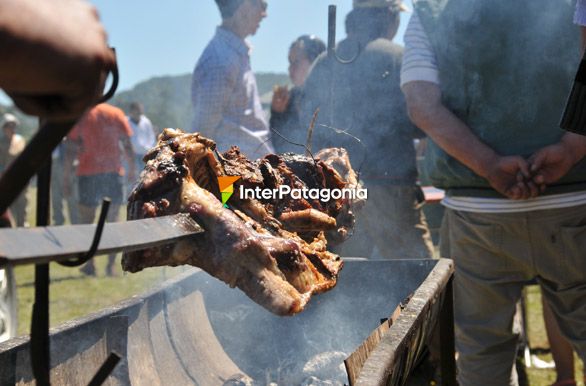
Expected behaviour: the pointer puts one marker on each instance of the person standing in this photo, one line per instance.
(224, 93)
(143, 133)
(11, 146)
(515, 183)
(96, 141)
(285, 105)
(362, 109)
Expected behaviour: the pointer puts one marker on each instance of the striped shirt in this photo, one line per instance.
(420, 64)
(580, 15)
(225, 97)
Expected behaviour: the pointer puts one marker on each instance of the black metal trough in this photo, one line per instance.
(194, 329)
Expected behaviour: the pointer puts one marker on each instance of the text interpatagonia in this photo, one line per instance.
(305, 193)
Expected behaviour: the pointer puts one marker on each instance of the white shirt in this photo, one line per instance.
(143, 135)
(420, 64)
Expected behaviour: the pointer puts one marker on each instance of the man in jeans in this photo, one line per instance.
(487, 81)
(96, 141)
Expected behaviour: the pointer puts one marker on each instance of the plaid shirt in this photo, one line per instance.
(225, 97)
(580, 15)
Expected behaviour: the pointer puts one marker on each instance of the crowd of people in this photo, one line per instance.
(484, 81)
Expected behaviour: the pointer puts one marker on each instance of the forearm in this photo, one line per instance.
(429, 114)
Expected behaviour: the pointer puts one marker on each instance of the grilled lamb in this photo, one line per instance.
(272, 249)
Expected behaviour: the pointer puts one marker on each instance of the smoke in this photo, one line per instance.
(310, 347)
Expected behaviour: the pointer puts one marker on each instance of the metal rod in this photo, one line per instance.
(105, 370)
(447, 344)
(332, 57)
(331, 30)
(40, 345)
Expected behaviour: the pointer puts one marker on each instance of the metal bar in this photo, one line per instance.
(447, 344)
(105, 370)
(40, 345)
(60, 243)
(331, 30)
(332, 58)
(97, 237)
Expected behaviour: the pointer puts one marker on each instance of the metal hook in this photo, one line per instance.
(115, 79)
(97, 236)
(332, 39)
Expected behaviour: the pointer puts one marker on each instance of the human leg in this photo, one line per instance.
(488, 282)
(113, 187)
(57, 192)
(86, 210)
(19, 209)
(561, 350)
(559, 238)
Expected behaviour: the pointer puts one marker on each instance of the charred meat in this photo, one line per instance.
(272, 249)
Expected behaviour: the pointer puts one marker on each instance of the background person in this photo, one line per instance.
(11, 145)
(495, 147)
(96, 141)
(224, 93)
(285, 105)
(143, 134)
(363, 99)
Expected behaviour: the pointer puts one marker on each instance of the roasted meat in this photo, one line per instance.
(273, 249)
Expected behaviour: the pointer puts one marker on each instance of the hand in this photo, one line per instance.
(510, 176)
(550, 163)
(58, 56)
(280, 99)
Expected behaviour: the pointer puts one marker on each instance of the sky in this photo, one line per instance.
(154, 38)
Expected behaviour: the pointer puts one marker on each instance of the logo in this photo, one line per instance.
(226, 184)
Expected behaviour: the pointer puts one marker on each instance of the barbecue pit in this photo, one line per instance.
(194, 329)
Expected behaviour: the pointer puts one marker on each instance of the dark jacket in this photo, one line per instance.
(288, 125)
(363, 99)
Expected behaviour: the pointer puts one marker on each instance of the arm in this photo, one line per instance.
(55, 56)
(552, 162)
(453, 136)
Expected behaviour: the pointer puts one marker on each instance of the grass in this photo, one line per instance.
(72, 294)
